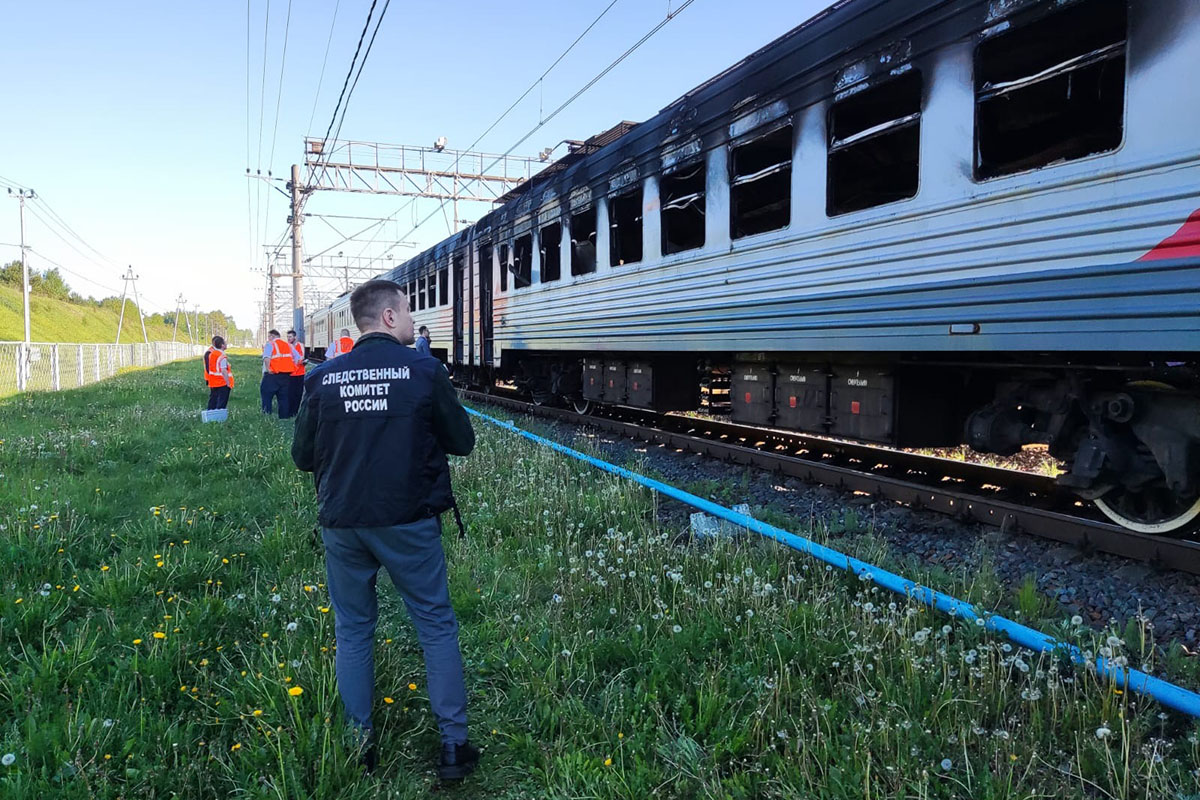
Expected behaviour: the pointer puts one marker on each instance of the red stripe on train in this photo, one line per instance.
(1184, 243)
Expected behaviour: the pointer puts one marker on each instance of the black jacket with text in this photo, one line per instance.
(374, 428)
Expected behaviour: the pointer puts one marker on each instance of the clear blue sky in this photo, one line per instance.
(130, 118)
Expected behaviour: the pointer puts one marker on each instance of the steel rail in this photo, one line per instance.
(920, 488)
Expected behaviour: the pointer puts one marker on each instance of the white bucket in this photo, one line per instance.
(216, 415)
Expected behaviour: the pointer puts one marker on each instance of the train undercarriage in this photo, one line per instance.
(1126, 433)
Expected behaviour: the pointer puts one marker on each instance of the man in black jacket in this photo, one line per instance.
(374, 429)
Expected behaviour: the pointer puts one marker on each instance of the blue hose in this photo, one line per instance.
(1168, 694)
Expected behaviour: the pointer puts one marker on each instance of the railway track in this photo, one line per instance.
(1016, 502)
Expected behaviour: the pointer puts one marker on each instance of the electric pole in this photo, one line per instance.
(297, 276)
(22, 195)
(129, 278)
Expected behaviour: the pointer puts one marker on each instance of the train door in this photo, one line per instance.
(472, 326)
(457, 286)
(485, 303)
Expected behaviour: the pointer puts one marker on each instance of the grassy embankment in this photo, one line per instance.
(162, 601)
(54, 320)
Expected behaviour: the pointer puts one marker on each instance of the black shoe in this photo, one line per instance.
(370, 756)
(458, 761)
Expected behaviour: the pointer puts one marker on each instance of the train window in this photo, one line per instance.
(522, 262)
(431, 291)
(625, 223)
(444, 285)
(682, 196)
(874, 145)
(583, 242)
(760, 184)
(422, 292)
(1051, 90)
(550, 240)
(504, 267)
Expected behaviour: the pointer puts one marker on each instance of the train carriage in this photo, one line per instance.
(915, 223)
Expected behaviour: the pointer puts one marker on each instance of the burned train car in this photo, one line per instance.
(916, 223)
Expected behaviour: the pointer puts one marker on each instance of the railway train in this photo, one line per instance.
(915, 223)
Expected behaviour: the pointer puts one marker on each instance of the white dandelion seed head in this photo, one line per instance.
(292, 626)
(946, 630)
(295, 662)
(565, 653)
(947, 764)
(1103, 732)
(516, 617)
(677, 629)
(108, 723)
(241, 596)
(781, 735)
(1114, 641)
(275, 598)
(612, 611)
(556, 597)
(1077, 620)
(7, 759)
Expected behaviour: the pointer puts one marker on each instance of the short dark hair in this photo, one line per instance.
(218, 342)
(291, 331)
(272, 332)
(422, 329)
(368, 301)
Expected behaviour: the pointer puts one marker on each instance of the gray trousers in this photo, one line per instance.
(413, 556)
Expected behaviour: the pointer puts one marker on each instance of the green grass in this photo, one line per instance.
(54, 320)
(604, 660)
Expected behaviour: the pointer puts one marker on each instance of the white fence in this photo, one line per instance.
(50, 367)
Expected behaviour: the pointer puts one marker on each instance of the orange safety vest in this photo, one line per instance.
(212, 369)
(343, 345)
(281, 362)
(298, 370)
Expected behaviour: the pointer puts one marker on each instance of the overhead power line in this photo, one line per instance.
(324, 62)
(490, 128)
(670, 16)
(349, 73)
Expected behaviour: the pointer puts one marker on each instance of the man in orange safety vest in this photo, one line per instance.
(279, 360)
(217, 374)
(340, 346)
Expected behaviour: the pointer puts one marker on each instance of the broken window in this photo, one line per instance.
(1051, 90)
(504, 266)
(522, 263)
(625, 224)
(874, 145)
(583, 242)
(682, 195)
(444, 285)
(420, 299)
(550, 241)
(760, 184)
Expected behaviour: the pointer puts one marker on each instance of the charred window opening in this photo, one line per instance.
(444, 285)
(874, 146)
(1051, 90)
(682, 194)
(420, 299)
(583, 242)
(504, 267)
(760, 193)
(625, 224)
(522, 262)
(431, 291)
(550, 239)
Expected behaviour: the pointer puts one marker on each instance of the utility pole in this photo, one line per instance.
(297, 276)
(129, 278)
(179, 304)
(23, 368)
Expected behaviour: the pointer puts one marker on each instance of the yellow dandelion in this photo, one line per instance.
(608, 761)
(412, 687)
(158, 563)
(183, 688)
(388, 700)
(620, 735)
(75, 588)
(266, 635)
(295, 691)
(159, 635)
(224, 560)
(157, 512)
(19, 600)
(258, 712)
(236, 746)
(204, 662)
(137, 641)
(324, 609)
(104, 568)
(187, 541)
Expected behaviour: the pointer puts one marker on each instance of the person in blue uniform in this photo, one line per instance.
(374, 428)
(422, 343)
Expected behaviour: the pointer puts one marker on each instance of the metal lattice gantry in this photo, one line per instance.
(400, 169)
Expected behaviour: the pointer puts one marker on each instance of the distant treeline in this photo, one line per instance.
(50, 283)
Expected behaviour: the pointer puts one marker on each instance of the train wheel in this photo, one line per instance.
(581, 405)
(1156, 511)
